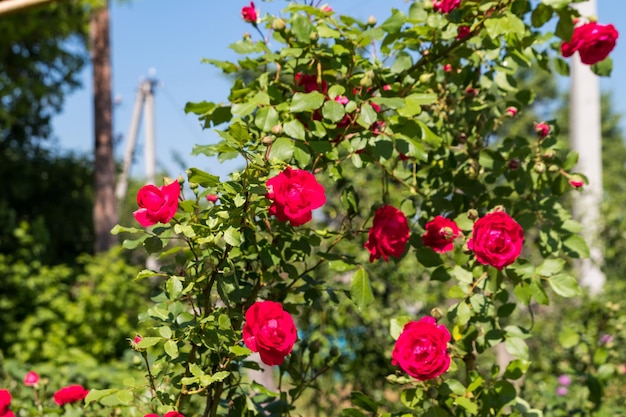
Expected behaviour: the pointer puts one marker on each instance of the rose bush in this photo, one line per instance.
(269, 330)
(405, 119)
(422, 349)
(593, 42)
(496, 240)
(157, 204)
(388, 234)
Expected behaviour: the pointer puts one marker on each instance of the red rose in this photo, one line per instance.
(542, 129)
(71, 394)
(309, 83)
(173, 414)
(463, 32)
(249, 13)
(593, 42)
(421, 350)
(388, 234)
(5, 402)
(576, 181)
(445, 6)
(212, 198)
(294, 194)
(269, 330)
(496, 239)
(511, 111)
(157, 204)
(440, 234)
(31, 379)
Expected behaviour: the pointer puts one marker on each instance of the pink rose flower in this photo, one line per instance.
(496, 240)
(31, 379)
(269, 330)
(326, 9)
(561, 391)
(440, 234)
(5, 403)
(70, 394)
(422, 349)
(463, 32)
(445, 6)
(295, 193)
(212, 198)
(542, 129)
(388, 234)
(565, 380)
(594, 42)
(511, 111)
(249, 13)
(576, 181)
(157, 204)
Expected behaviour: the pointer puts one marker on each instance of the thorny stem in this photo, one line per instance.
(150, 376)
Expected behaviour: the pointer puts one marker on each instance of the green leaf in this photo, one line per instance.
(396, 325)
(266, 118)
(301, 27)
(147, 342)
(171, 348)
(97, 394)
(174, 287)
(564, 285)
(294, 129)
(306, 102)
(550, 267)
(517, 347)
(333, 111)
(568, 338)
(367, 115)
(153, 244)
(576, 247)
(556, 4)
(282, 149)
(233, 237)
(603, 68)
(204, 179)
(239, 350)
(360, 290)
(125, 396)
(467, 404)
(394, 23)
(361, 400)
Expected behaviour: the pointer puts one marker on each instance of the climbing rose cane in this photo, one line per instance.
(269, 330)
(70, 394)
(496, 240)
(593, 42)
(440, 234)
(388, 234)
(157, 204)
(295, 193)
(249, 13)
(421, 349)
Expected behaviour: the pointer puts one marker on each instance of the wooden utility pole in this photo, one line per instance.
(585, 127)
(105, 207)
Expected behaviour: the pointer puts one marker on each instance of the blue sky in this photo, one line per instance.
(172, 37)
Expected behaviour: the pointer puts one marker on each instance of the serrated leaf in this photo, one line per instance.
(517, 347)
(125, 396)
(333, 111)
(576, 247)
(294, 129)
(282, 149)
(361, 400)
(171, 348)
(239, 350)
(204, 179)
(147, 342)
(551, 267)
(306, 102)
(360, 289)
(266, 118)
(396, 325)
(467, 404)
(233, 237)
(565, 285)
(97, 394)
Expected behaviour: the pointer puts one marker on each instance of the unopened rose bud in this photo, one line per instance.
(314, 347)
(540, 167)
(542, 129)
(446, 232)
(371, 20)
(193, 185)
(471, 92)
(511, 111)
(180, 180)
(461, 138)
(436, 313)
(498, 209)
(279, 24)
(425, 77)
(447, 68)
(576, 181)
(472, 214)
(267, 140)
(334, 351)
(549, 154)
(246, 36)
(513, 164)
(277, 129)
